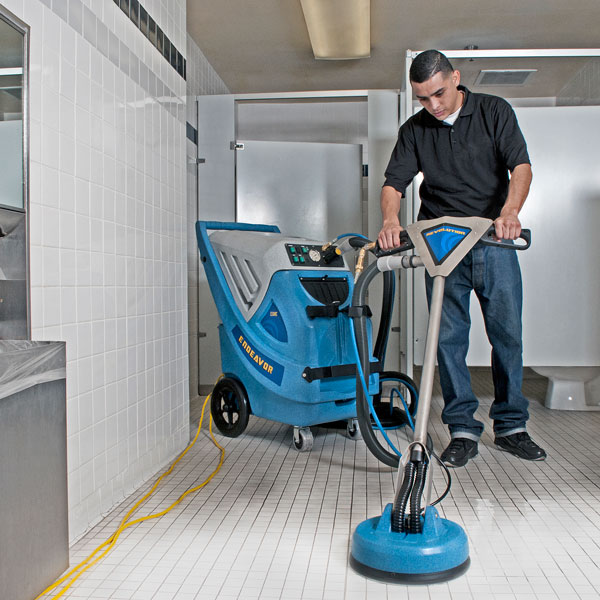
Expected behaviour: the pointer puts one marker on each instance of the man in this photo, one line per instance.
(465, 144)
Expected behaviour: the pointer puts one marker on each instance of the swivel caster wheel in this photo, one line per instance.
(303, 439)
(353, 430)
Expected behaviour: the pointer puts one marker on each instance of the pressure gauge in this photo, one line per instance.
(314, 255)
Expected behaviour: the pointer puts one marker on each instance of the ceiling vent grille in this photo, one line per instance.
(503, 76)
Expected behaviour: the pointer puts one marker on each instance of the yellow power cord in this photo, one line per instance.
(125, 523)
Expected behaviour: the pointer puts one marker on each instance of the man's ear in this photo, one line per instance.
(456, 77)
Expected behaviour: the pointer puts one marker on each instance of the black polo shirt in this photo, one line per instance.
(465, 166)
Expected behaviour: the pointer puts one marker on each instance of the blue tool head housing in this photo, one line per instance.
(439, 553)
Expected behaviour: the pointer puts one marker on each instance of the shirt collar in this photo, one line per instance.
(468, 104)
(467, 108)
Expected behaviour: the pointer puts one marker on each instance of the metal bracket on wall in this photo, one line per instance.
(196, 161)
(201, 334)
(236, 146)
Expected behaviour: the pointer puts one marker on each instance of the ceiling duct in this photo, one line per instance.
(504, 76)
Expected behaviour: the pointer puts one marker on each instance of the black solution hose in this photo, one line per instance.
(448, 480)
(401, 500)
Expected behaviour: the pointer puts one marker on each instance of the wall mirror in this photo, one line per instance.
(14, 296)
(12, 96)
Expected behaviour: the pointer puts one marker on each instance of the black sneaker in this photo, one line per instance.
(521, 445)
(458, 452)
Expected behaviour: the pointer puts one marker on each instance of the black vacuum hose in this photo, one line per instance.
(363, 412)
(414, 488)
(387, 305)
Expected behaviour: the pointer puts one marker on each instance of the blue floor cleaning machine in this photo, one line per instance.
(296, 346)
(287, 349)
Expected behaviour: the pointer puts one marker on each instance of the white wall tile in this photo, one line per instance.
(68, 267)
(68, 306)
(51, 234)
(66, 192)
(50, 266)
(108, 241)
(51, 306)
(67, 152)
(49, 185)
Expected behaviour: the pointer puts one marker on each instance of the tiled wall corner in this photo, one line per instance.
(108, 215)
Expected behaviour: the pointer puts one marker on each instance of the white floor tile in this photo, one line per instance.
(276, 524)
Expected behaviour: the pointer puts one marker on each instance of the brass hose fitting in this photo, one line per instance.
(360, 262)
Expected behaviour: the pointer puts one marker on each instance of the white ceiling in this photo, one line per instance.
(263, 45)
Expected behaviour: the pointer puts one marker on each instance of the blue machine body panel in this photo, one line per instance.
(269, 352)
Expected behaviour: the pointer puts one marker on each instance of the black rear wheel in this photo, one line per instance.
(229, 407)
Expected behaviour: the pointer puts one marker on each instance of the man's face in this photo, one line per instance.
(439, 95)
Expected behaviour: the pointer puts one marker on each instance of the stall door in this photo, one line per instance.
(306, 189)
(311, 190)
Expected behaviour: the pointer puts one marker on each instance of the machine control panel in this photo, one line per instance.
(306, 255)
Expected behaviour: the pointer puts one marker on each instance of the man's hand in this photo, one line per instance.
(508, 227)
(389, 236)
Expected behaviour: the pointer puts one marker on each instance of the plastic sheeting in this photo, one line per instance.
(25, 363)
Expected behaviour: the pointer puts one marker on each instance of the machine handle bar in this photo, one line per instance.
(489, 240)
(239, 226)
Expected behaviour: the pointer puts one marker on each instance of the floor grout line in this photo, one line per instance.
(276, 524)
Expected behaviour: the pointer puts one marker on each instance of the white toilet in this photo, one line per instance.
(572, 388)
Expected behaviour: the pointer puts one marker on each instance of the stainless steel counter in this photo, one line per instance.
(33, 467)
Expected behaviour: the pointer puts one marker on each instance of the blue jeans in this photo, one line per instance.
(495, 276)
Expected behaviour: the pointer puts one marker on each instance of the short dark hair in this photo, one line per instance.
(427, 64)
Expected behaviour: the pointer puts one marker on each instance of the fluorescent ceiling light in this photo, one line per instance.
(338, 29)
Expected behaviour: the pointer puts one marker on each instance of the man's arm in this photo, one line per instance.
(389, 236)
(508, 226)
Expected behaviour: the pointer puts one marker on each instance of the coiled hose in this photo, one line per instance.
(401, 499)
(414, 521)
(412, 488)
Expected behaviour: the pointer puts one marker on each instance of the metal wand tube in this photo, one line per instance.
(433, 332)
